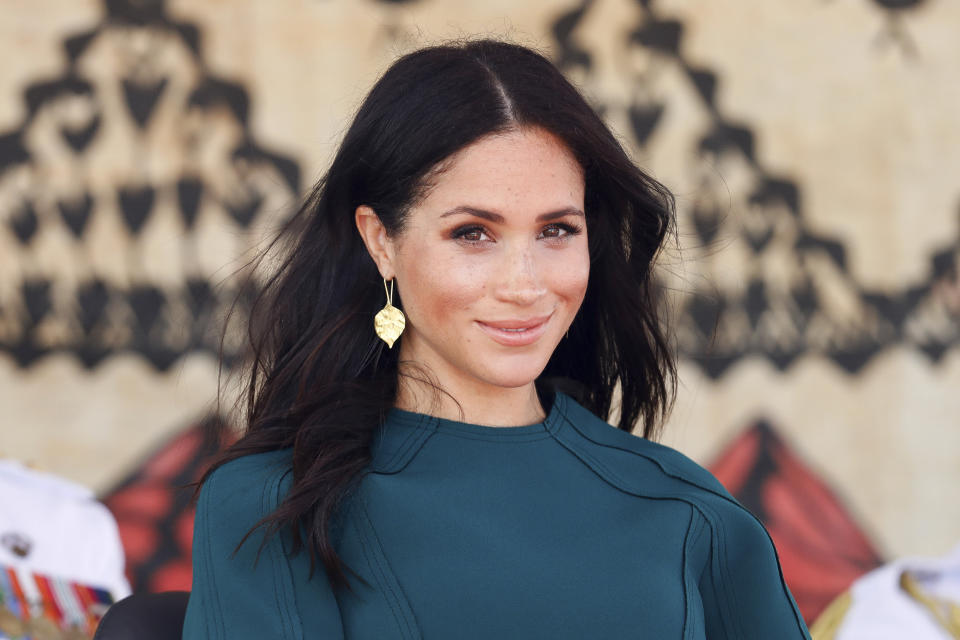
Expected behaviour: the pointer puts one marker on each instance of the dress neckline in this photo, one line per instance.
(413, 419)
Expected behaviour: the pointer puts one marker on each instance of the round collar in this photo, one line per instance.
(404, 432)
(404, 418)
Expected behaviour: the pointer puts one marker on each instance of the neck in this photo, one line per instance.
(482, 404)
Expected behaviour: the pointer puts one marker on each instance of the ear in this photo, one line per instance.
(374, 236)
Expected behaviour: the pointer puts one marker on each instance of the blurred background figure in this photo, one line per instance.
(147, 147)
(61, 559)
(914, 597)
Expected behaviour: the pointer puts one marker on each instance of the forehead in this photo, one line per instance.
(514, 171)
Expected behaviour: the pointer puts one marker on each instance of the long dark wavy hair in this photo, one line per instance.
(320, 381)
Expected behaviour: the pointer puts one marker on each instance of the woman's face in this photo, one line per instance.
(493, 264)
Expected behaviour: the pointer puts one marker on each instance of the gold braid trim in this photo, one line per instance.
(946, 613)
(827, 624)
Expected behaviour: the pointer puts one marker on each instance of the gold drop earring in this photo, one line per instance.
(389, 321)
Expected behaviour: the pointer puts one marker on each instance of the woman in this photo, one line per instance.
(445, 471)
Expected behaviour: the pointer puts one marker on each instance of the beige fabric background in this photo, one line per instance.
(867, 128)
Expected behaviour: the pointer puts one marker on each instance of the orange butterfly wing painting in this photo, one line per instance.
(822, 549)
(154, 511)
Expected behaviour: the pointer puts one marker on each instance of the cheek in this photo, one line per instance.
(439, 287)
(569, 277)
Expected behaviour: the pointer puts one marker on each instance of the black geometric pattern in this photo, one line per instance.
(136, 149)
(895, 32)
(799, 296)
(137, 132)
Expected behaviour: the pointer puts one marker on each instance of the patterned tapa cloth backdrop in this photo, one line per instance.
(126, 161)
(812, 149)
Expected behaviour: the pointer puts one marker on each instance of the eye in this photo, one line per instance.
(560, 231)
(477, 234)
(470, 234)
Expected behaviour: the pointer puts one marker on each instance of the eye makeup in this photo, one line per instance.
(461, 233)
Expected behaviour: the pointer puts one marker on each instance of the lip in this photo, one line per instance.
(533, 329)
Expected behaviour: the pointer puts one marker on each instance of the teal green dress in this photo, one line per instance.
(568, 528)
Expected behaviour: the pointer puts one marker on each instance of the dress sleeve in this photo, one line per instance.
(742, 588)
(240, 596)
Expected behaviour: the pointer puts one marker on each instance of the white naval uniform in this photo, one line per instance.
(879, 609)
(55, 527)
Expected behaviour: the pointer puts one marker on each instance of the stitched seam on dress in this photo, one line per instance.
(661, 464)
(387, 591)
(418, 437)
(217, 618)
(282, 565)
(506, 438)
(378, 572)
(699, 528)
(702, 506)
(403, 447)
(730, 621)
(455, 429)
(386, 468)
(683, 573)
(546, 430)
(635, 492)
(549, 425)
(616, 481)
(801, 624)
(264, 492)
(721, 596)
(674, 474)
(704, 525)
(698, 524)
(725, 565)
(374, 571)
(593, 461)
(736, 608)
(402, 599)
(292, 613)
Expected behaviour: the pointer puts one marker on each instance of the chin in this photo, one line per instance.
(516, 374)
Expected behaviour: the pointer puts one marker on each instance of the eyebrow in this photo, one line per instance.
(496, 217)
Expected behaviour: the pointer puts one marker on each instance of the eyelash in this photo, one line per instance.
(459, 233)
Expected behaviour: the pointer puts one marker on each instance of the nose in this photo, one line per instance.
(520, 280)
